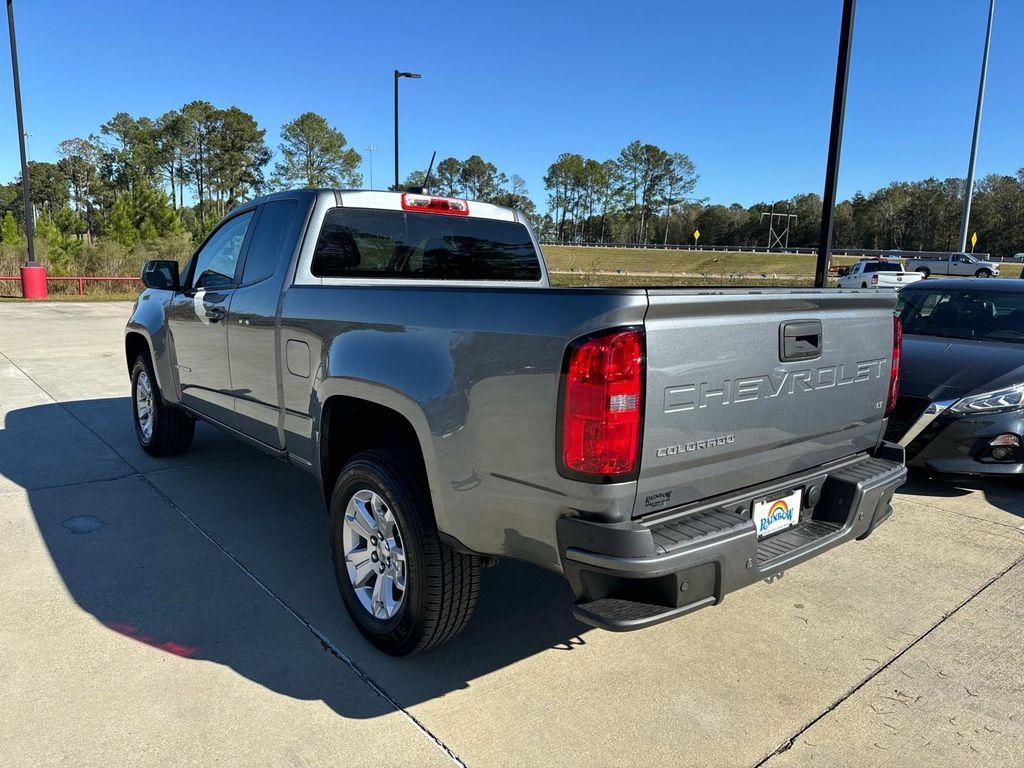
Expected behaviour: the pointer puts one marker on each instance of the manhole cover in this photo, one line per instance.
(83, 524)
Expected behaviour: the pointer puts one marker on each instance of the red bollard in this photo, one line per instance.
(33, 282)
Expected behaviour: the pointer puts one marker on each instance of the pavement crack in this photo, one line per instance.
(789, 742)
(327, 644)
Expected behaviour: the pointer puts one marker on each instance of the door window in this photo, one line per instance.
(217, 260)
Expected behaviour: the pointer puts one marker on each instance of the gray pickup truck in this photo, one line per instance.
(657, 447)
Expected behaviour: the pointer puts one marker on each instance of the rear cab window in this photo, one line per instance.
(373, 244)
(882, 266)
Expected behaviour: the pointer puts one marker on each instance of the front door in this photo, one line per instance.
(197, 319)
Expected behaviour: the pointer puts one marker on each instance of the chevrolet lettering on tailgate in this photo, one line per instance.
(750, 388)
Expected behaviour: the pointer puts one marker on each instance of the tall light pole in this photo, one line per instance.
(370, 148)
(26, 197)
(835, 143)
(965, 222)
(398, 74)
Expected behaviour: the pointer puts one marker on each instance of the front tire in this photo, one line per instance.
(405, 590)
(161, 429)
(983, 273)
(925, 271)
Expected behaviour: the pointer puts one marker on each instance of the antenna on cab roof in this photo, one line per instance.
(426, 179)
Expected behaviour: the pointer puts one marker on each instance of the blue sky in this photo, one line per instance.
(743, 87)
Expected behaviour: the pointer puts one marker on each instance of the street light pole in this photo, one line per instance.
(26, 197)
(835, 143)
(399, 74)
(370, 148)
(965, 222)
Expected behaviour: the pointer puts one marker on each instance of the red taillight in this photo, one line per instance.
(428, 204)
(874, 279)
(894, 369)
(602, 408)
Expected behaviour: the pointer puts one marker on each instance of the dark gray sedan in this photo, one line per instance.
(961, 398)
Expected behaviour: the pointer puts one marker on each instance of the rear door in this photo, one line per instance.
(746, 387)
(197, 319)
(252, 321)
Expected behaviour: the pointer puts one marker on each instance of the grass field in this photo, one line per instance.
(572, 265)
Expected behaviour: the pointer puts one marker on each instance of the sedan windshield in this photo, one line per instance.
(964, 314)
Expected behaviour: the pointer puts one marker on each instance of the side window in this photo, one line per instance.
(268, 241)
(217, 260)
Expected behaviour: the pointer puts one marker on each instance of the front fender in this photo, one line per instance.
(149, 320)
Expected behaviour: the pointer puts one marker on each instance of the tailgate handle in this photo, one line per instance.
(800, 340)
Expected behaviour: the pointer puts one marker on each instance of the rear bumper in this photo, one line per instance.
(632, 575)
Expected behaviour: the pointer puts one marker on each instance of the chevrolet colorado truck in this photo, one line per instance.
(657, 447)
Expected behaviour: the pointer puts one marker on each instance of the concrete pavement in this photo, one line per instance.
(184, 611)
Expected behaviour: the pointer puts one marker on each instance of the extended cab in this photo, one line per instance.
(658, 447)
(963, 264)
(876, 273)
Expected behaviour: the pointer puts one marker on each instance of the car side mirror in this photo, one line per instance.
(161, 274)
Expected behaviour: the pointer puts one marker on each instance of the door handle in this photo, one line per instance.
(800, 340)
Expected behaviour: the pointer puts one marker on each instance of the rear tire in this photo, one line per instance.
(925, 271)
(428, 599)
(983, 273)
(161, 429)
(863, 285)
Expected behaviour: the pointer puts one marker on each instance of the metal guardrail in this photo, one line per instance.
(81, 280)
(893, 254)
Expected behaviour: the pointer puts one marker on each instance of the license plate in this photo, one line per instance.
(774, 515)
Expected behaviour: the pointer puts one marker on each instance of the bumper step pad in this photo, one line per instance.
(798, 536)
(620, 615)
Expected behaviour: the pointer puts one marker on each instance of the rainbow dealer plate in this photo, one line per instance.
(774, 515)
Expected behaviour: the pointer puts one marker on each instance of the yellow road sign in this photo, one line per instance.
(974, 239)
(696, 234)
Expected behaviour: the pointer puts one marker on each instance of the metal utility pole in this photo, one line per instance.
(399, 74)
(977, 131)
(26, 197)
(370, 148)
(835, 143)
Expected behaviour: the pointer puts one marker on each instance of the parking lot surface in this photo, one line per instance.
(183, 611)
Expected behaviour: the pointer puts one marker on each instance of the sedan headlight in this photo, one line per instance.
(988, 402)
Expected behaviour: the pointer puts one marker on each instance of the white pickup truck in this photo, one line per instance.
(877, 274)
(963, 264)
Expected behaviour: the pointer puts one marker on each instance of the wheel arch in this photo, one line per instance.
(135, 344)
(350, 424)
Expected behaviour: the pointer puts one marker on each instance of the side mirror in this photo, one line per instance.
(161, 274)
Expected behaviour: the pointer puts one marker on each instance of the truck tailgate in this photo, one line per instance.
(724, 410)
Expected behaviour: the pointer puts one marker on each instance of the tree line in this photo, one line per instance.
(643, 196)
(154, 186)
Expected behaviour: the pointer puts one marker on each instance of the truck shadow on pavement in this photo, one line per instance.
(169, 553)
(1005, 493)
